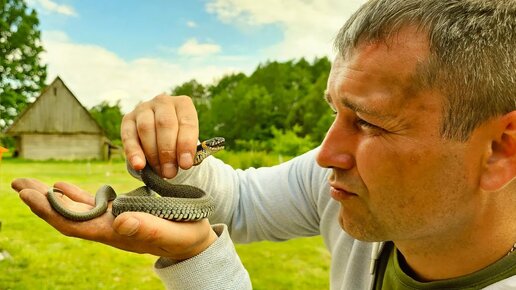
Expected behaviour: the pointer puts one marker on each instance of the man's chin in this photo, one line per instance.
(361, 231)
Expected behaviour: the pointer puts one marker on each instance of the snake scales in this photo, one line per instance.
(176, 202)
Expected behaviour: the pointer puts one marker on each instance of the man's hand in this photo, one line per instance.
(130, 231)
(164, 131)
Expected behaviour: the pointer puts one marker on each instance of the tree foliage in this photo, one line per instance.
(21, 74)
(109, 118)
(278, 108)
(280, 105)
(192, 89)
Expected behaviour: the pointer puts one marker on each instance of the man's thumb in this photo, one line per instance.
(126, 224)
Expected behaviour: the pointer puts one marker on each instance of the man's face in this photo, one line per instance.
(393, 174)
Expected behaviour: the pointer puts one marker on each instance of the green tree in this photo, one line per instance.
(228, 82)
(211, 121)
(289, 143)
(279, 101)
(192, 89)
(109, 118)
(241, 113)
(297, 89)
(311, 112)
(21, 74)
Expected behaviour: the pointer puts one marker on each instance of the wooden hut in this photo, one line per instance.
(57, 126)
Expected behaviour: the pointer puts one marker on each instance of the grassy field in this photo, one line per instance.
(44, 259)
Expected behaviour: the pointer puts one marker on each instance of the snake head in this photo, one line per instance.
(214, 144)
(208, 147)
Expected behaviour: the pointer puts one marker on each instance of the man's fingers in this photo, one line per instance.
(40, 206)
(165, 238)
(75, 193)
(36, 201)
(146, 129)
(188, 131)
(166, 136)
(96, 229)
(132, 147)
(146, 230)
(22, 183)
(164, 131)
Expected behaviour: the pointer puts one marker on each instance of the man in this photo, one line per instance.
(413, 187)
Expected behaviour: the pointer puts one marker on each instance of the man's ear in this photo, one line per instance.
(501, 165)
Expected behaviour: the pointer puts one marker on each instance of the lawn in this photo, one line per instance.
(44, 259)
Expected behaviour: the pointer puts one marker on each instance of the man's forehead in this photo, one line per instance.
(402, 50)
(381, 68)
(406, 37)
(374, 82)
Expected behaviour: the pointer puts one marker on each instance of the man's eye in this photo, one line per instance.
(367, 126)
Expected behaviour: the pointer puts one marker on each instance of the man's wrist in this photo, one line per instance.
(202, 246)
(213, 235)
(194, 250)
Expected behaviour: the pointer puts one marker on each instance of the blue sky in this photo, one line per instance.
(136, 29)
(133, 50)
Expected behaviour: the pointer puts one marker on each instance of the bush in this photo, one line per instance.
(289, 143)
(246, 159)
(7, 142)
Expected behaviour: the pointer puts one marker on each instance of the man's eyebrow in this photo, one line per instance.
(355, 107)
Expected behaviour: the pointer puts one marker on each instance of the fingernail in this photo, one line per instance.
(129, 227)
(186, 159)
(136, 160)
(169, 170)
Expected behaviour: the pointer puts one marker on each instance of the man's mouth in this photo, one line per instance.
(340, 194)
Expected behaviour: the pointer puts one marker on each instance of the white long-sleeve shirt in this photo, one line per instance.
(275, 203)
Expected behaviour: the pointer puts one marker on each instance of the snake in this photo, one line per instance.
(175, 202)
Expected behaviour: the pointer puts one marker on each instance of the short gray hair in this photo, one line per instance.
(472, 58)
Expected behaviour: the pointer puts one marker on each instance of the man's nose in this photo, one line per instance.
(338, 147)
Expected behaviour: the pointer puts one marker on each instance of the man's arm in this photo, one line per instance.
(268, 203)
(131, 231)
(191, 252)
(273, 203)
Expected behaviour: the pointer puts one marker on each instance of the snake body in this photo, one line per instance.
(177, 202)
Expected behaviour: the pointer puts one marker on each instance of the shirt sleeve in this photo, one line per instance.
(269, 203)
(217, 267)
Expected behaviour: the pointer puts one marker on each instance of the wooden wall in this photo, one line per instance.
(61, 147)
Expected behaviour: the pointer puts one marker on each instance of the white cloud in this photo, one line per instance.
(53, 7)
(55, 36)
(308, 26)
(191, 24)
(94, 73)
(193, 48)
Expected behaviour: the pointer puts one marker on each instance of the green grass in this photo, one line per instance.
(45, 259)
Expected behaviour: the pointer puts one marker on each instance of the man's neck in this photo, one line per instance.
(488, 238)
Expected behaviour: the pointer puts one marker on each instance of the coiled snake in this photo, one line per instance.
(176, 202)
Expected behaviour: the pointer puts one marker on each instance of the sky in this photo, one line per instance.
(133, 50)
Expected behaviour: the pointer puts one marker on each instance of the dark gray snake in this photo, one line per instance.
(176, 202)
